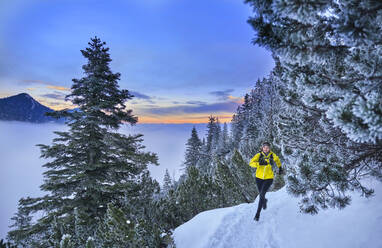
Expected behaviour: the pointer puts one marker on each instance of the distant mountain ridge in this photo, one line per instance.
(22, 107)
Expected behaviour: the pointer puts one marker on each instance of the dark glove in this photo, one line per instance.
(262, 161)
(281, 170)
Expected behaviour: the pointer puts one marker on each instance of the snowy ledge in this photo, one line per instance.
(282, 225)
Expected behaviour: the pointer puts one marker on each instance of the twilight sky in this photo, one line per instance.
(182, 59)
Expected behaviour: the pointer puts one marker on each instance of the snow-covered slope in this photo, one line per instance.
(282, 225)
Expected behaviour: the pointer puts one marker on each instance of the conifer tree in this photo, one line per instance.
(196, 193)
(167, 183)
(90, 243)
(211, 130)
(206, 164)
(228, 190)
(244, 177)
(330, 126)
(224, 141)
(237, 130)
(193, 149)
(92, 164)
(117, 230)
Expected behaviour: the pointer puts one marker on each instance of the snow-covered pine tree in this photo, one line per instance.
(255, 127)
(169, 211)
(193, 149)
(236, 129)
(22, 221)
(204, 160)
(225, 140)
(4, 244)
(90, 243)
(117, 230)
(92, 164)
(211, 131)
(244, 177)
(238, 123)
(216, 137)
(329, 54)
(167, 183)
(196, 193)
(206, 164)
(66, 241)
(229, 193)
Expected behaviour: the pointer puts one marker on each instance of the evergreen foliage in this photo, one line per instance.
(193, 149)
(91, 166)
(328, 65)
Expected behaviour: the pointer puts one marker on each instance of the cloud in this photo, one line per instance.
(222, 94)
(58, 87)
(196, 102)
(55, 103)
(138, 95)
(32, 81)
(49, 85)
(54, 96)
(236, 99)
(228, 106)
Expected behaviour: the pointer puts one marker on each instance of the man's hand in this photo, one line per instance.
(281, 170)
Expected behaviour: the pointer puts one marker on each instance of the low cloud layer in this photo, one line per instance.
(21, 166)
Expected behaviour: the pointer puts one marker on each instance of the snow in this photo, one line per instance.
(33, 105)
(282, 225)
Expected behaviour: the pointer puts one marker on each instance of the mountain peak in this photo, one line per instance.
(23, 107)
(24, 95)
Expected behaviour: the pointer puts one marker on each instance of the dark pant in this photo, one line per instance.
(263, 186)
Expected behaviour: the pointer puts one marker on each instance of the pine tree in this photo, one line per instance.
(328, 56)
(169, 211)
(92, 164)
(196, 194)
(117, 230)
(228, 190)
(244, 177)
(4, 244)
(167, 183)
(90, 243)
(193, 149)
(224, 141)
(22, 222)
(237, 130)
(216, 137)
(66, 242)
(206, 165)
(211, 130)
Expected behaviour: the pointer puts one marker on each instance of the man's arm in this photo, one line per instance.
(254, 161)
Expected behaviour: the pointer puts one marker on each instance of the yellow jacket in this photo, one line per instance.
(264, 171)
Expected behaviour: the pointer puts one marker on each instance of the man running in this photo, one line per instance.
(263, 162)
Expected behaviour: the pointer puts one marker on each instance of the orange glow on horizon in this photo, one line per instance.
(183, 119)
(239, 100)
(56, 87)
(147, 119)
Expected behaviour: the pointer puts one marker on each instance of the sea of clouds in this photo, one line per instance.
(21, 166)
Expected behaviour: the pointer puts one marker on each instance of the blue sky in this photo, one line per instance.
(182, 59)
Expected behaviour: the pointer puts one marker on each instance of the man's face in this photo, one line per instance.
(266, 149)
